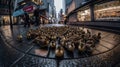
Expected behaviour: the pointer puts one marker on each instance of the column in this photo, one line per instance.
(92, 12)
(0, 20)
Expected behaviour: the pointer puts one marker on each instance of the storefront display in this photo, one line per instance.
(97, 11)
(83, 15)
(5, 20)
(109, 11)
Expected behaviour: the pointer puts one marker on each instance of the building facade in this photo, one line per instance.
(61, 16)
(108, 10)
(79, 3)
(67, 5)
(51, 11)
(73, 4)
(46, 7)
(4, 11)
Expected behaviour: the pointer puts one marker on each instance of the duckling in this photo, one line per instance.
(81, 47)
(19, 38)
(71, 47)
(94, 37)
(53, 44)
(28, 35)
(99, 36)
(59, 52)
(90, 43)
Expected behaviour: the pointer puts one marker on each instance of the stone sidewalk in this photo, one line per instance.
(1, 56)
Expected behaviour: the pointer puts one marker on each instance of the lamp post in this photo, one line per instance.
(11, 26)
(64, 19)
(40, 3)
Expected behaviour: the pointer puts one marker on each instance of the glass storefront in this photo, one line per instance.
(98, 11)
(5, 20)
(83, 14)
(109, 11)
(14, 20)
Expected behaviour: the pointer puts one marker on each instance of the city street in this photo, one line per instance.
(59, 33)
(26, 53)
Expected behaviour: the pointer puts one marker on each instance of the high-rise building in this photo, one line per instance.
(51, 11)
(60, 16)
(63, 6)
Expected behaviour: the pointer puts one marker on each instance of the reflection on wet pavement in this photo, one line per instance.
(41, 52)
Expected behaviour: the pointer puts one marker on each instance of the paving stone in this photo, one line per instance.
(35, 62)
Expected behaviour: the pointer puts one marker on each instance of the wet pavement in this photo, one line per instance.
(1, 55)
(27, 54)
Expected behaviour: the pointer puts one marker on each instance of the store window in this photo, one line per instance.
(109, 11)
(5, 20)
(83, 15)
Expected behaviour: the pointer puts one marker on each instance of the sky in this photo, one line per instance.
(58, 4)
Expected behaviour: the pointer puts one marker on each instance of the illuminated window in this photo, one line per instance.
(83, 15)
(111, 12)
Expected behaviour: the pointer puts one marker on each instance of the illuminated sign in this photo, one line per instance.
(28, 9)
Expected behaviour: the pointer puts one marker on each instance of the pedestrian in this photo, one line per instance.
(27, 20)
(36, 14)
(43, 21)
(3, 22)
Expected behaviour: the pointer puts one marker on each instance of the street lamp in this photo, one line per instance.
(11, 26)
(65, 19)
(40, 3)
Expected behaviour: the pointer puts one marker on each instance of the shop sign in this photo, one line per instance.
(28, 9)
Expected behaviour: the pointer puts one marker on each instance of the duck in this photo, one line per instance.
(71, 47)
(81, 47)
(59, 51)
(52, 44)
(19, 38)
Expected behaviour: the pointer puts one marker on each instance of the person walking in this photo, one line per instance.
(36, 14)
(3, 21)
(27, 20)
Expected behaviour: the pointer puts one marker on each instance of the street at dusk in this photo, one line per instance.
(59, 33)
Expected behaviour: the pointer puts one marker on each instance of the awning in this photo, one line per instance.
(18, 12)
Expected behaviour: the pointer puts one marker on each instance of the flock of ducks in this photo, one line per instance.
(64, 38)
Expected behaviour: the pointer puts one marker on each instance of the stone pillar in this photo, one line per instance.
(0, 20)
(92, 12)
